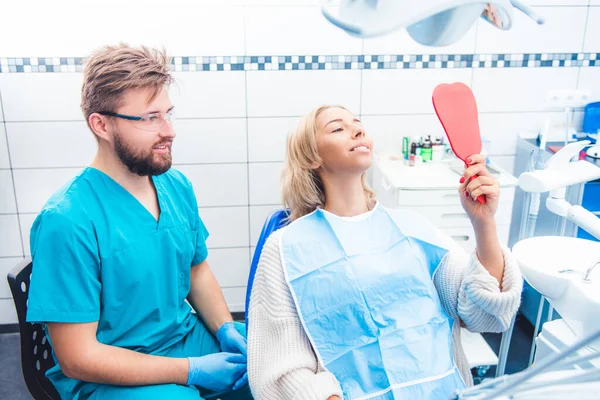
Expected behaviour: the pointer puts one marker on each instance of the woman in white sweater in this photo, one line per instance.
(355, 301)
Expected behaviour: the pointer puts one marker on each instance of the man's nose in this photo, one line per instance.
(167, 130)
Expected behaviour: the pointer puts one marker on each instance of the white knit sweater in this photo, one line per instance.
(281, 362)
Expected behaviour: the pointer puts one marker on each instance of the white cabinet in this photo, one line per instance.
(432, 190)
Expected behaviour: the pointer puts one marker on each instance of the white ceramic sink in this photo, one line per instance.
(556, 266)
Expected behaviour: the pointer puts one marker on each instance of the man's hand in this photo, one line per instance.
(231, 340)
(218, 371)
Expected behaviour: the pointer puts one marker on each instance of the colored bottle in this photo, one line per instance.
(405, 147)
(437, 149)
(411, 160)
(426, 150)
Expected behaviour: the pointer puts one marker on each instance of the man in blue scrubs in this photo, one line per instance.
(119, 249)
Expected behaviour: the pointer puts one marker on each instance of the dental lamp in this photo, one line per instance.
(429, 22)
(559, 173)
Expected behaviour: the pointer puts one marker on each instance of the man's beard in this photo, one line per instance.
(140, 162)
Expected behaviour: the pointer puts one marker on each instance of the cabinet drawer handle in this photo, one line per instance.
(460, 238)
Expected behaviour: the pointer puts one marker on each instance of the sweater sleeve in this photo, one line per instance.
(281, 360)
(470, 293)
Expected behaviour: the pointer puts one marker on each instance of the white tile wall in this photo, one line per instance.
(1, 108)
(405, 91)
(26, 222)
(592, 33)
(10, 23)
(230, 266)
(519, 89)
(258, 216)
(210, 141)
(387, 131)
(6, 264)
(400, 42)
(295, 30)
(589, 79)
(285, 94)
(8, 204)
(525, 36)
(218, 185)
(4, 159)
(228, 226)
(35, 186)
(217, 94)
(235, 298)
(188, 26)
(50, 144)
(10, 238)
(26, 96)
(264, 183)
(267, 138)
(502, 129)
(193, 26)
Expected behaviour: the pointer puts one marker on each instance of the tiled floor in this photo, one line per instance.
(12, 386)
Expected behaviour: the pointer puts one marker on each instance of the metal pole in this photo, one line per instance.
(537, 329)
(504, 346)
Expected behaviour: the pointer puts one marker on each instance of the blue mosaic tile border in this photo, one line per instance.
(338, 62)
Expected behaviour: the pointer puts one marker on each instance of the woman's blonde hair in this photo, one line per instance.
(302, 188)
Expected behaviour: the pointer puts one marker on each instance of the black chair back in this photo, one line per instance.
(36, 353)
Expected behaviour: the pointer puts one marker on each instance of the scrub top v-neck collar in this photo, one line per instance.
(158, 223)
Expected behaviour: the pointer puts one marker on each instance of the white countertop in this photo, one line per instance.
(430, 176)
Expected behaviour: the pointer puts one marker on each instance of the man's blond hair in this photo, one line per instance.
(112, 70)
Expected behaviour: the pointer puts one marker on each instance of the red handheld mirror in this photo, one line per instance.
(456, 109)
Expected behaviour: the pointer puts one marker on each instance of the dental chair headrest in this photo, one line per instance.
(429, 22)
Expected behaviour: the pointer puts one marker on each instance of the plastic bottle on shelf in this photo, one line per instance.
(426, 149)
(437, 149)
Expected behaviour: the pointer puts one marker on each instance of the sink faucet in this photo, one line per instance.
(589, 271)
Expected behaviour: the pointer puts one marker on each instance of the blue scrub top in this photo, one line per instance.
(99, 255)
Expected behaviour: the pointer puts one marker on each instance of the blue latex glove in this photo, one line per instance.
(230, 339)
(243, 381)
(218, 371)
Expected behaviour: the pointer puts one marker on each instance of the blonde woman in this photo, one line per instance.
(352, 300)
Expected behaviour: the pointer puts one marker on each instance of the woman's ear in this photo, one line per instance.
(315, 165)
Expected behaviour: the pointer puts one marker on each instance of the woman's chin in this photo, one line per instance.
(366, 163)
(361, 167)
